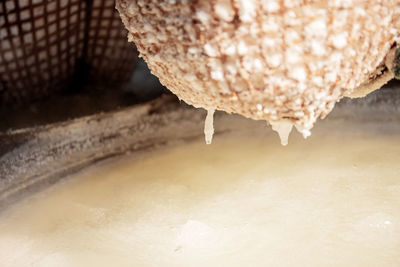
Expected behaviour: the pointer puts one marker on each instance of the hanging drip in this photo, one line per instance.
(209, 126)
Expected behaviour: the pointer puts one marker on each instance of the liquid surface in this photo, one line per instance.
(330, 200)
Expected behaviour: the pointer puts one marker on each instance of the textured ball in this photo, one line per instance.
(276, 60)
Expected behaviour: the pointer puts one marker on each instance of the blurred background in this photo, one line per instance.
(62, 59)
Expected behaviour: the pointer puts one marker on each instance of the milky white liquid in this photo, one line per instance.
(209, 126)
(283, 128)
(330, 200)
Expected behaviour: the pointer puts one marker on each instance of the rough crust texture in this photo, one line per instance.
(265, 59)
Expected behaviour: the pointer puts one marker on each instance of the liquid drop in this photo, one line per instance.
(283, 128)
(209, 126)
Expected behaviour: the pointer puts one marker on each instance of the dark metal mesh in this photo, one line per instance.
(52, 45)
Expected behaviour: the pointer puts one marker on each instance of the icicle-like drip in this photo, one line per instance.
(209, 126)
(283, 128)
(305, 132)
